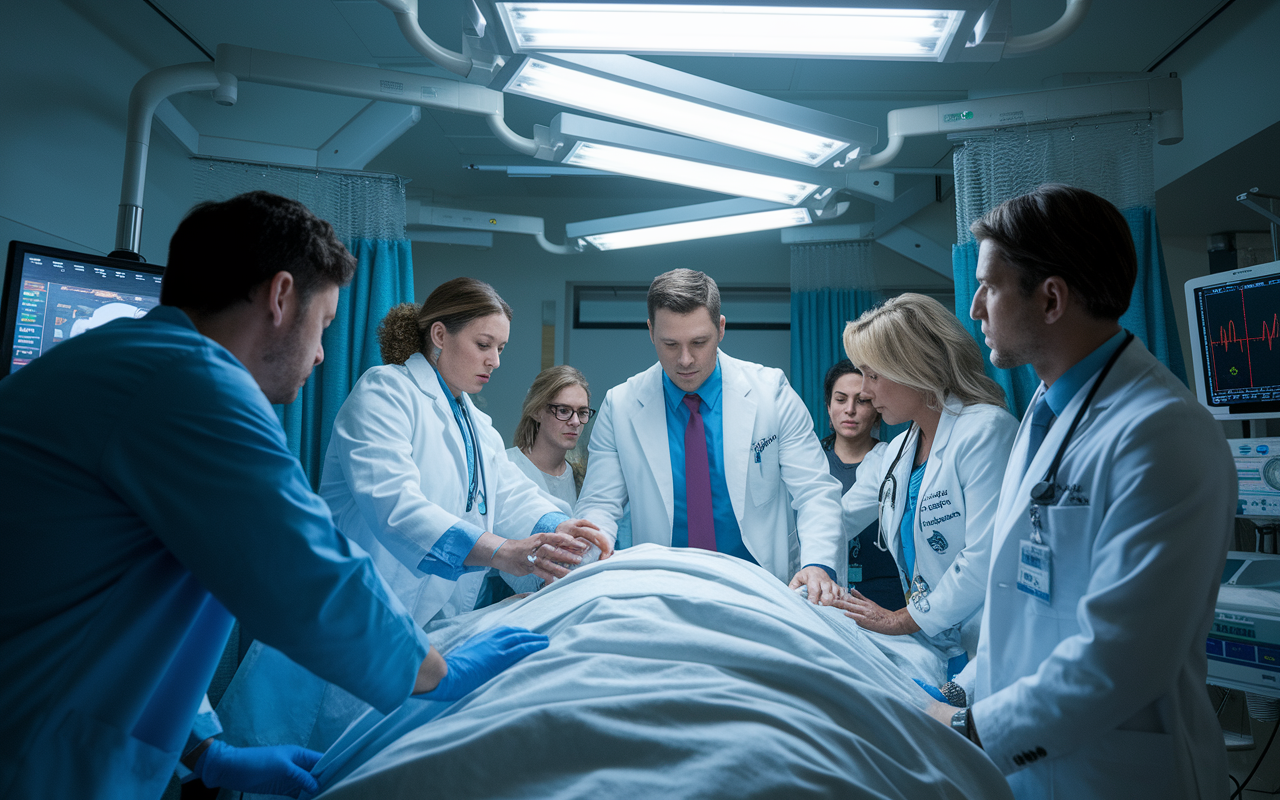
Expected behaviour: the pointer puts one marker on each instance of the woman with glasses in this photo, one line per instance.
(935, 491)
(556, 408)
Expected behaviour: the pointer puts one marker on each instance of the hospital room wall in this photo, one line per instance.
(65, 101)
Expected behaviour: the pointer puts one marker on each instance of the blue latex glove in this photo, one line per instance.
(283, 769)
(478, 659)
(933, 691)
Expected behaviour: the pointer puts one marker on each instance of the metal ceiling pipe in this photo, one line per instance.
(147, 94)
(406, 12)
(1071, 18)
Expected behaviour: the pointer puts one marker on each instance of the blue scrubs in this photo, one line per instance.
(149, 497)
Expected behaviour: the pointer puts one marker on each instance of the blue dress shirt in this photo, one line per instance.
(728, 535)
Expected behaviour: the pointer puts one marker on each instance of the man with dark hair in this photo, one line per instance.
(1115, 517)
(151, 500)
(713, 452)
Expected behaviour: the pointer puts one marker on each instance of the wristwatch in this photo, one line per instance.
(960, 723)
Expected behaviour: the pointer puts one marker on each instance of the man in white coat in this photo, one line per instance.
(713, 452)
(1090, 675)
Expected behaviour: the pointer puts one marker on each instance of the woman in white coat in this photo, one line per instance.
(935, 492)
(419, 478)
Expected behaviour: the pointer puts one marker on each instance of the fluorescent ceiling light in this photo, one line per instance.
(611, 98)
(730, 30)
(668, 169)
(701, 229)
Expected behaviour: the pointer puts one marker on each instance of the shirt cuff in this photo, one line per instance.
(831, 573)
(445, 557)
(549, 522)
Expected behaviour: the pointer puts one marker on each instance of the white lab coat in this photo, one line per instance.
(629, 459)
(395, 477)
(954, 512)
(1101, 692)
(873, 461)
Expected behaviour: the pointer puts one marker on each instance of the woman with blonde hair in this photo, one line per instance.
(556, 408)
(936, 495)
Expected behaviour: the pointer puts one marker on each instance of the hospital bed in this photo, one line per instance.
(672, 673)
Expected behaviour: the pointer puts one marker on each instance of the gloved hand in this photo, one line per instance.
(481, 657)
(933, 691)
(282, 769)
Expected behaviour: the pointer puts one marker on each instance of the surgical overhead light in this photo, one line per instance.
(576, 141)
(637, 91)
(922, 34)
(703, 221)
(667, 169)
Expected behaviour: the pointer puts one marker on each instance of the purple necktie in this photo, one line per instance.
(697, 480)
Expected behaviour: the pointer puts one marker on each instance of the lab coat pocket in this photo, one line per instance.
(763, 476)
(1069, 535)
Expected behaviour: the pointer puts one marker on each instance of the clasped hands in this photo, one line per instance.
(551, 555)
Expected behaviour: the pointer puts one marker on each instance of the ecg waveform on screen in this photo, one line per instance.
(1242, 326)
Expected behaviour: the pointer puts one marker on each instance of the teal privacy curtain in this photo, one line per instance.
(831, 285)
(367, 212)
(384, 278)
(1113, 160)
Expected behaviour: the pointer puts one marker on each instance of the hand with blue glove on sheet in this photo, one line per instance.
(481, 657)
(281, 769)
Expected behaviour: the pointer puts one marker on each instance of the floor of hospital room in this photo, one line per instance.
(1243, 756)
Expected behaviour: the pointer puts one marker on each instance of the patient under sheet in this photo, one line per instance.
(672, 673)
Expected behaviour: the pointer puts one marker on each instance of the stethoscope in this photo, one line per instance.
(890, 486)
(475, 489)
(1045, 493)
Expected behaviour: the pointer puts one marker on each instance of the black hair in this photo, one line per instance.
(222, 251)
(838, 370)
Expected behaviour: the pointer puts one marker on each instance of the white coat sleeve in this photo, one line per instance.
(1154, 565)
(981, 457)
(372, 437)
(815, 494)
(604, 490)
(860, 506)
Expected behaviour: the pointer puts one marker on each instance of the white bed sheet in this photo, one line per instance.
(672, 674)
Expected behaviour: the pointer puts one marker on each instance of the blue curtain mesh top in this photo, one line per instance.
(359, 205)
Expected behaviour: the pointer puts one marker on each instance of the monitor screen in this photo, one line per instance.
(1235, 332)
(53, 295)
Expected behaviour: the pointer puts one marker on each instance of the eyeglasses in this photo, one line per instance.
(563, 413)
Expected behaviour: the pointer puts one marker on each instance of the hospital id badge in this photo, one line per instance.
(1034, 566)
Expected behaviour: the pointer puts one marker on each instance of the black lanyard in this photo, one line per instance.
(1045, 493)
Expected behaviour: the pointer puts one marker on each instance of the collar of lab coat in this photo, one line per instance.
(952, 406)
(424, 375)
(1134, 361)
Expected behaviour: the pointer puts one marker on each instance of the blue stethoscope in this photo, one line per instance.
(475, 460)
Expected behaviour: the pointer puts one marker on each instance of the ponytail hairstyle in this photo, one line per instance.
(406, 329)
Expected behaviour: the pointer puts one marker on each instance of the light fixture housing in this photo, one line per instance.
(621, 149)
(637, 91)
(685, 223)
(882, 30)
